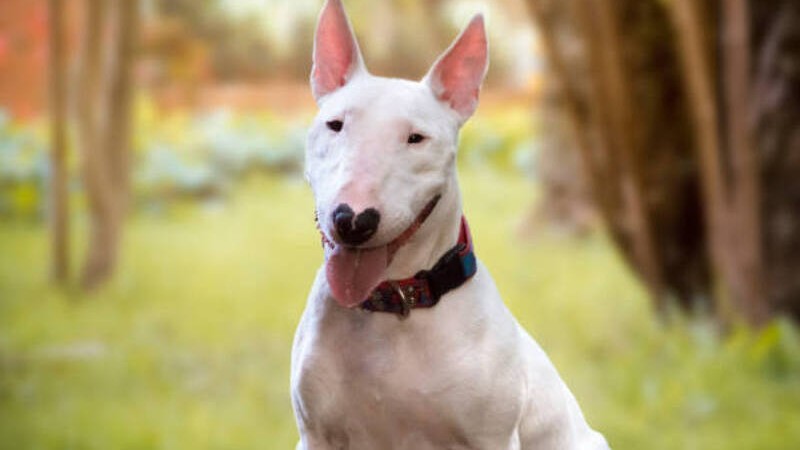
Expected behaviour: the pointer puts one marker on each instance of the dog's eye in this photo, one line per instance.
(415, 138)
(335, 125)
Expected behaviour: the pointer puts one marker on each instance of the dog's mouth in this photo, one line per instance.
(353, 272)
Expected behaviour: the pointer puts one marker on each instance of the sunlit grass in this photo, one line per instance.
(188, 348)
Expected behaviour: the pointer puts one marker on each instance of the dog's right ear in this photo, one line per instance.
(456, 76)
(337, 58)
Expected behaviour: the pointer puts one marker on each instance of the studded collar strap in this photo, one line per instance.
(424, 289)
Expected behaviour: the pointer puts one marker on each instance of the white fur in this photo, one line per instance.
(461, 375)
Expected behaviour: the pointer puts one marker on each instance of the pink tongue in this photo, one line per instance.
(352, 274)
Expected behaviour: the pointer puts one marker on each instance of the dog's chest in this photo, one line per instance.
(364, 379)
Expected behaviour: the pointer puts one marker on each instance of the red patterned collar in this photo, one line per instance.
(426, 287)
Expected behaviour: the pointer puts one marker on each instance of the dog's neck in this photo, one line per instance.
(436, 236)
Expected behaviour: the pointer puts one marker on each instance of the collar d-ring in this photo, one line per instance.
(407, 299)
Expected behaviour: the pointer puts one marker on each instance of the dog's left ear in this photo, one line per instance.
(456, 76)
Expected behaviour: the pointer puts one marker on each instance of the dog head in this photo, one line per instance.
(381, 151)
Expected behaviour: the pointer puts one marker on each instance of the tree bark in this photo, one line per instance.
(698, 77)
(729, 167)
(614, 110)
(745, 220)
(691, 140)
(569, 176)
(565, 203)
(118, 141)
(104, 124)
(59, 187)
(91, 118)
(775, 103)
(622, 93)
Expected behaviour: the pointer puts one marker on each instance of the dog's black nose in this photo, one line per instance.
(355, 229)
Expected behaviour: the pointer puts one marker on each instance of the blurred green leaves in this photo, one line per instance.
(500, 139)
(23, 169)
(201, 156)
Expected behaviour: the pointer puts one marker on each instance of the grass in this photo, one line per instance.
(188, 347)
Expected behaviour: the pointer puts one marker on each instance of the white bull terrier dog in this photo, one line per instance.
(405, 342)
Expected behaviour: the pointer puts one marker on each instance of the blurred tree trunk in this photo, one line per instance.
(688, 129)
(568, 183)
(565, 204)
(622, 94)
(119, 136)
(59, 189)
(726, 157)
(611, 106)
(775, 116)
(105, 90)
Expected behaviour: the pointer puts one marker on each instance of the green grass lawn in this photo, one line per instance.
(188, 347)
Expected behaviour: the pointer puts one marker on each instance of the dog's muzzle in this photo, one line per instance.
(355, 232)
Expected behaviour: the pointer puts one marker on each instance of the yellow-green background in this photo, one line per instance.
(189, 346)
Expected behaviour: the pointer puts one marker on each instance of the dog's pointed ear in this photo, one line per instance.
(337, 58)
(456, 76)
